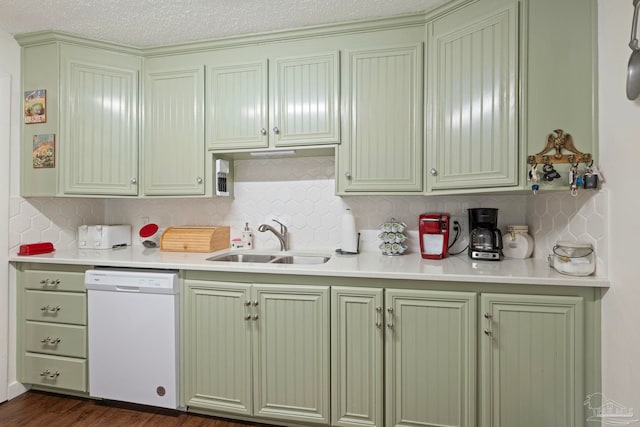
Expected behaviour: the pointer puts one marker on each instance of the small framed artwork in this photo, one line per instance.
(35, 106)
(44, 151)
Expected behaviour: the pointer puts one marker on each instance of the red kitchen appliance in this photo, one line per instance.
(434, 235)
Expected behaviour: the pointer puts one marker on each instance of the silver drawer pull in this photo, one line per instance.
(49, 375)
(51, 341)
(49, 309)
(49, 282)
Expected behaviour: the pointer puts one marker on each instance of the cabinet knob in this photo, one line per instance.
(433, 171)
(276, 130)
(255, 317)
(134, 180)
(199, 180)
(487, 316)
(263, 131)
(347, 175)
(487, 332)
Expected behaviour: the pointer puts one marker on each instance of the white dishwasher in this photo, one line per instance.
(133, 335)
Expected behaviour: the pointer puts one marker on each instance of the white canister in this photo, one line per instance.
(517, 243)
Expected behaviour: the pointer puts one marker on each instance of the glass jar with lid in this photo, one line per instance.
(517, 243)
(573, 258)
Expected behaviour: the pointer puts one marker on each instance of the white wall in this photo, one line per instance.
(620, 158)
(9, 136)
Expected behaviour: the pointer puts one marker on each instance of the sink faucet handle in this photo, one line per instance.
(283, 228)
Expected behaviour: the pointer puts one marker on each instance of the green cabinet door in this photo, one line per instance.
(357, 331)
(382, 144)
(217, 347)
(532, 369)
(472, 87)
(291, 352)
(430, 348)
(173, 143)
(237, 106)
(304, 95)
(99, 121)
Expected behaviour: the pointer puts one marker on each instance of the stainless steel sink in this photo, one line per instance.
(302, 259)
(272, 259)
(243, 258)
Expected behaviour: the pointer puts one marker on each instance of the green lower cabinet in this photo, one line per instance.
(52, 328)
(428, 342)
(532, 361)
(430, 350)
(217, 341)
(259, 350)
(357, 336)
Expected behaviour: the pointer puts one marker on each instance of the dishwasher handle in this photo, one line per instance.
(123, 288)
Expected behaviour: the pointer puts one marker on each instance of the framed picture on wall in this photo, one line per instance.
(35, 103)
(44, 151)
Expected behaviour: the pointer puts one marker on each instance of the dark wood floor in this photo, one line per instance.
(40, 409)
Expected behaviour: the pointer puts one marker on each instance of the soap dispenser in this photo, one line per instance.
(247, 236)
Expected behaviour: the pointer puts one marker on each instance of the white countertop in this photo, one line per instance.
(459, 268)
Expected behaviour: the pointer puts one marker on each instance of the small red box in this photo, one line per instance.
(36, 248)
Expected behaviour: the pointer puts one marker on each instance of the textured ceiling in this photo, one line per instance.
(144, 23)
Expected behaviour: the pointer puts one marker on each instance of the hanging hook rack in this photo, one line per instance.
(559, 141)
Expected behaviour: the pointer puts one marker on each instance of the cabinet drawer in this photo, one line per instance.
(53, 280)
(62, 340)
(61, 307)
(54, 371)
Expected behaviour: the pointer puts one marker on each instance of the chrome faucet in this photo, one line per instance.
(282, 235)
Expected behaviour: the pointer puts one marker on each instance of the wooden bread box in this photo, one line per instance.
(195, 239)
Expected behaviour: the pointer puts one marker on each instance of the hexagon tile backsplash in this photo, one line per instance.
(301, 193)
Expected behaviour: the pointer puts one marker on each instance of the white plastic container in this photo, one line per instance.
(247, 237)
(517, 243)
(573, 258)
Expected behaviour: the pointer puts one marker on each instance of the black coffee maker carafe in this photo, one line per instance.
(485, 239)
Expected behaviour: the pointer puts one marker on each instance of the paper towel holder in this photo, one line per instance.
(343, 252)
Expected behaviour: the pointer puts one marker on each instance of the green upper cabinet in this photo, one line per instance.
(99, 121)
(382, 146)
(237, 106)
(282, 102)
(561, 79)
(532, 361)
(173, 151)
(472, 92)
(34, 181)
(305, 100)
